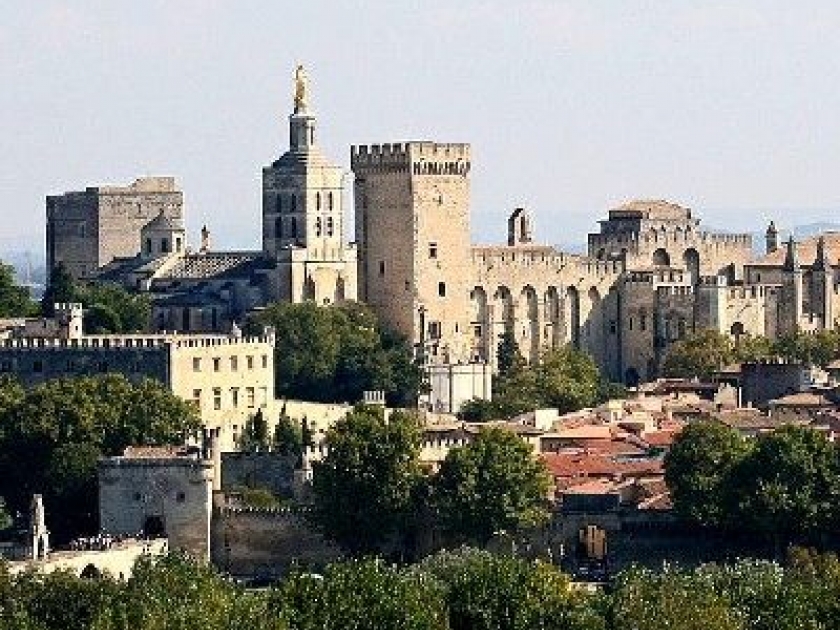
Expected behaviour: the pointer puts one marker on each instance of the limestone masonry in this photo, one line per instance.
(651, 273)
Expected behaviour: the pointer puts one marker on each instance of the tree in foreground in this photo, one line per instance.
(788, 487)
(52, 435)
(364, 595)
(697, 469)
(365, 488)
(645, 600)
(485, 591)
(491, 485)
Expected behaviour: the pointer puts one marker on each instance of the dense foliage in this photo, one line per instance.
(371, 495)
(14, 299)
(334, 354)
(365, 489)
(109, 308)
(563, 378)
(706, 351)
(52, 435)
(783, 485)
(493, 484)
(462, 590)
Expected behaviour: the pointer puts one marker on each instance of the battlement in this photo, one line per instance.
(136, 342)
(752, 292)
(417, 158)
(713, 281)
(163, 184)
(658, 276)
(542, 256)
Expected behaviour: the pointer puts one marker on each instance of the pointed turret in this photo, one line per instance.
(771, 238)
(821, 262)
(791, 256)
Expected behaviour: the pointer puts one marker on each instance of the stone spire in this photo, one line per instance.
(821, 262)
(771, 238)
(791, 256)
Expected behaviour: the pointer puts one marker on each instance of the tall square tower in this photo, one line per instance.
(413, 240)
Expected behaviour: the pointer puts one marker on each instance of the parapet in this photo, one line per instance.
(160, 184)
(417, 158)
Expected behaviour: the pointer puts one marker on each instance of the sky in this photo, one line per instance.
(572, 107)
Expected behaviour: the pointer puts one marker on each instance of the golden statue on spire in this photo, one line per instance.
(301, 90)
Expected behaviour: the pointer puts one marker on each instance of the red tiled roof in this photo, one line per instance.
(571, 465)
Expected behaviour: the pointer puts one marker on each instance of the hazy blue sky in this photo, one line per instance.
(731, 107)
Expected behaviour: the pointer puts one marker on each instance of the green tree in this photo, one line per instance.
(113, 309)
(492, 484)
(63, 426)
(644, 600)
(480, 410)
(288, 436)
(788, 486)
(334, 354)
(176, 593)
(101, 320)
(564, 378)
(697, 470)
(365, 487)
(509, 358)
(364, 595)
(254, 437)
(699, 354)
(484, 591)
(14, 299)
(61, 289)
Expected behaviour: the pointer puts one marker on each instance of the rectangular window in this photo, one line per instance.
(234, 396)
(217, 398)
(250, 361)
(197, 398)
(381, 267)
(434, 330)
(217, 364)
(196, 365)
(38, 366)
(249, 393)
(263, 396)
(442, 289)
(477, 331)
(433, 251)
(234, 364)
(265, 361)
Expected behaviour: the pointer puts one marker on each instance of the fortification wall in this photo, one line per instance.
(267, 543)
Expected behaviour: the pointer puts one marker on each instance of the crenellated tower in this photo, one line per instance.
(413, 239)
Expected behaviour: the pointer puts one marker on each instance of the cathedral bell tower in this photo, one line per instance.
(302, 190)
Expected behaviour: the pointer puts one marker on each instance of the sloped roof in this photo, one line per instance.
(214, 265)
(806, 250)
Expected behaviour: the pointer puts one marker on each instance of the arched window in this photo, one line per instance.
(329, 226)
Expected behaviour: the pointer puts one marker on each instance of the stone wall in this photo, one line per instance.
(267, 543)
